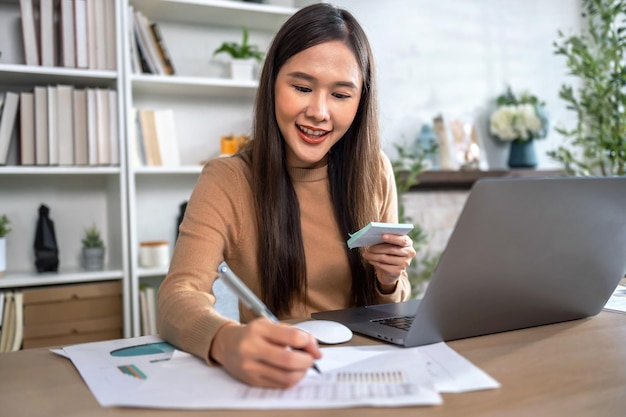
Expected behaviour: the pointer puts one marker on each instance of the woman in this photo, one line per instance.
(279, 213)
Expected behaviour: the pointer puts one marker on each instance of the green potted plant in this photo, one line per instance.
(243, 56)
(4, 231)
(93, 249)
(597, 57)
(412, 161)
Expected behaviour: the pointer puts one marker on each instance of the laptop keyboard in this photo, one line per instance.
(402, 323)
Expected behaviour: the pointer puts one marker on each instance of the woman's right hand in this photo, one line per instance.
(262, 353)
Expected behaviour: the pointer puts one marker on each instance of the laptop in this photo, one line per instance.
(523, 253)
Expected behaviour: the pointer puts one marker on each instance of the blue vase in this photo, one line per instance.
(427, 142)
(522, 154)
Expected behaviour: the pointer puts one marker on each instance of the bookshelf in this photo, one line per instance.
(78, 196)
(206, 102)
(129, 202)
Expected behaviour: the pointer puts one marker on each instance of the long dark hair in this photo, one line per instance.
(354, 164)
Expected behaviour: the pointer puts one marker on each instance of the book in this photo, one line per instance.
(151, 310)
(103, 140)
(166, 137)
(81, 33)
(153, 46)
(146, 65)
(47, 33)
(7, 123)
(148, 45)
(143, 308)
(2, 297)
(113, 128)
(67, 34)
(81, 147)
(101, 34)
(135, 62)
(139, 153)
(53, 133)
(18, 321)
(371, 234)
(41, 125)
(6, 339)
(92, 38)
(163, 52)
(65, 124)
(110, 34)
(92, 128)
(27, 128)
(29, 32)
(149, 135)
(1, 307)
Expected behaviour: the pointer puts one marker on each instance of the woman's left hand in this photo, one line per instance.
(390, 259)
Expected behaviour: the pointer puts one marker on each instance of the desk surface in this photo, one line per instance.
(576, 368)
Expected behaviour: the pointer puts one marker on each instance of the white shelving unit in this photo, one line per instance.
(229, 13)
(131, 203)
(192, 86)
(207, 104)
(77, 196)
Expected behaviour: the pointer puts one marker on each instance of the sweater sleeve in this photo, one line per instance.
(186, 314)
(389, 214)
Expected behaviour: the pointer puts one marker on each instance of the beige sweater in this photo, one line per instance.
(219, 226)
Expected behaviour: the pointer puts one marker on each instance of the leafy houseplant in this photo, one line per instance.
(241, 52)
(92, 238)
(4, 226)
(412, 161)
(597, 57)
(93, 249)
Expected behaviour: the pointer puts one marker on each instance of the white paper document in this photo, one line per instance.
(617, 301)
(147, 372)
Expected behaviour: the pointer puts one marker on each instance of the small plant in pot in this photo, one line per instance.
(93, 249)
(4, 230)
(243, 56)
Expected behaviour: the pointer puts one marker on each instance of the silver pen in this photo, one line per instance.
(246, 295)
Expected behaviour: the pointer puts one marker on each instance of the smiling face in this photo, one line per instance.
(317, 96)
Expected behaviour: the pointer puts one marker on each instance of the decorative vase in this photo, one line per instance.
(522, 154)
(242, 69)
(93, 259)
(425, 141)
(154, 254)
(3, 255)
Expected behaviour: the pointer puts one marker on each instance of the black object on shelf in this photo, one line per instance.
(46, 250)
(181, 216)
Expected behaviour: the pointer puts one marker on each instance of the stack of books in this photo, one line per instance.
(155, 139)
(69, 33)
(149, 53)
(60, 125)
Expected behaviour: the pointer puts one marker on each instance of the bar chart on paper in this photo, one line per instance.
(342, 386)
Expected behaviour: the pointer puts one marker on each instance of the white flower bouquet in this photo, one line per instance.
(522, 118)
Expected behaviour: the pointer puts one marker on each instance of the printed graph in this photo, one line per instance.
(133, 371)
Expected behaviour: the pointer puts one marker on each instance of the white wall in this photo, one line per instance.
(456, 56)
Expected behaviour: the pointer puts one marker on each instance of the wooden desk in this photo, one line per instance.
(569, 369)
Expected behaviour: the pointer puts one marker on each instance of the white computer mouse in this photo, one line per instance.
(326, 331)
